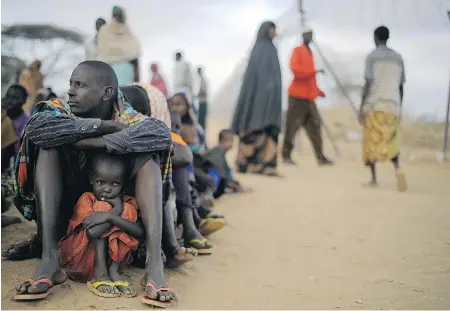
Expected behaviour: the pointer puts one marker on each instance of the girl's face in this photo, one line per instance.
(272, 32)
(13, 100)
(179, 105)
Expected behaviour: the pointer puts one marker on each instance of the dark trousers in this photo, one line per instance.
(202, 114)
(302, 113)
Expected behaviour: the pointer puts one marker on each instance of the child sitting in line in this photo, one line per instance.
(219, 168)
(15, 97)
(102, 231)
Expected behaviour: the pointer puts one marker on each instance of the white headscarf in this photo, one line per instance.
(116, 43)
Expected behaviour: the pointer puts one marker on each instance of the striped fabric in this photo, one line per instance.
(54, 125)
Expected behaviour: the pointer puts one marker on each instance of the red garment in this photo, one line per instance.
(77, 253)
(304, 85)
(157, 80)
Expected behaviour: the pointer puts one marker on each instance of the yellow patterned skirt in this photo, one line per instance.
(380, 137)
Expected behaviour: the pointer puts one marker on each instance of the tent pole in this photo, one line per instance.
(444, 149)
(336, 78)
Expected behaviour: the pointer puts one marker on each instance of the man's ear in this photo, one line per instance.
(108, 93)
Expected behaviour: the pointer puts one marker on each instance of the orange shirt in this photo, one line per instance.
(304, 84)
(177, 139)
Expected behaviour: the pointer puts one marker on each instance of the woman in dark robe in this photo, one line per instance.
(257, 117)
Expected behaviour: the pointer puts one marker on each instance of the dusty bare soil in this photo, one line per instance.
(316, 239)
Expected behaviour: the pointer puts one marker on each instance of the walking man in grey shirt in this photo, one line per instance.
(381, 105)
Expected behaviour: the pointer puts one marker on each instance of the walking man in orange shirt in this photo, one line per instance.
(302, 110)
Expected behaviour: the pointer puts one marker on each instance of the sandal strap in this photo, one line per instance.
(121, 283)
(164, 289)
(46, 281)
(149, 284)
(100, 283)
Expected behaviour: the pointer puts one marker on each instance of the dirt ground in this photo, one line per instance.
(316, 239)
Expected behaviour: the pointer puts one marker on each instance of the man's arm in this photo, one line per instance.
(299, 70)
(368, 75)
(402, 81)
(149, 135)
(47, 130)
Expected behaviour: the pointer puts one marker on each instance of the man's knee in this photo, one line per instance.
(149, 167)
(45, 154)
(149, 176)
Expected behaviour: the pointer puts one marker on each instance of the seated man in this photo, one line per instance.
(182, 157)
(62, 138)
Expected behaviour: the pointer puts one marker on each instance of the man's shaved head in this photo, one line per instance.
(102, 72)
(93, 89)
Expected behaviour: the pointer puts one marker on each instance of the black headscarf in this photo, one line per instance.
(259, 102)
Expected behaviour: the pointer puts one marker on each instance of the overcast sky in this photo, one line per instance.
(219, 33)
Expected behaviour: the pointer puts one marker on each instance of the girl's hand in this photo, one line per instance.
(115, 202)
(117, 205)
(96, 218)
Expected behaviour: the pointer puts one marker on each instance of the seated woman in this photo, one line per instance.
(190, 126)
(151, 102)
(193, 135)
(185, 207)
(103, 231)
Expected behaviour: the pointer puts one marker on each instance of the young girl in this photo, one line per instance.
(102, 231)
(15, 98)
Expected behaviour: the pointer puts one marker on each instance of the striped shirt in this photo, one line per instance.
(48, 131)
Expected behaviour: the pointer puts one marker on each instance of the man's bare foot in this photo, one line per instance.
(26, 250)
(10, 220)
(49, 268)
(182, 256)
(120, 284)
(155, 288)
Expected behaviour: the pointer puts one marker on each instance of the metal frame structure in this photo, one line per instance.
(444, 148)
(327, 64)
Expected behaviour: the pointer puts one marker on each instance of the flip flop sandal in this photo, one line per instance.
(93, 288)
(201, 246)
(211, 225)
(29, 296)
(124, 284)
(157, 303)
(215, 215)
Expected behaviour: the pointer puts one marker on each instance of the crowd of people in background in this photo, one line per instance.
(111, 175)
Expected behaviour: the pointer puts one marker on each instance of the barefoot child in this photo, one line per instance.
(102, 231)
(220, 170)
